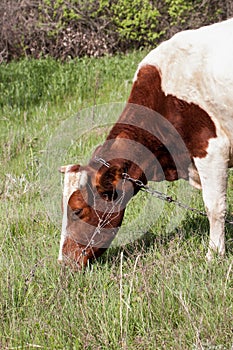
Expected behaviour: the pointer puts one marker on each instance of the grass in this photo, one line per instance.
(155, 292)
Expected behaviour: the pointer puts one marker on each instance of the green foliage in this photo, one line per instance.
(60, 12)
(179, 10)
(192, 14)
(136, 20)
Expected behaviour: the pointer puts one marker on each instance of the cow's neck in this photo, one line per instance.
(138, 139)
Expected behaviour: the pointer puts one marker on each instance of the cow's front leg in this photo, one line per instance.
(213, 174)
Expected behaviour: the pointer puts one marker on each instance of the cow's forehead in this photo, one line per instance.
(73, 181)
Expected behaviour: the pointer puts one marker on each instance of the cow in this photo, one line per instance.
(176, 124)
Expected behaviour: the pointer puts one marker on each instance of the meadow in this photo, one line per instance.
(153, 289)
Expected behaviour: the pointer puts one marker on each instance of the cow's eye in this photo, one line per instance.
(105, 196)
(76, 213)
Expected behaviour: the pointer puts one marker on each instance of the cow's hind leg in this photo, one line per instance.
(213, 174)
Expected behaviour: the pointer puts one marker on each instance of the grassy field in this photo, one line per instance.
(156, 292)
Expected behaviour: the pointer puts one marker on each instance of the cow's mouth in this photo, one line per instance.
(78, 256)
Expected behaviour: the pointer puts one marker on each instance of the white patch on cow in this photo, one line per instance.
(81, 179)
(63, 230)
(73, 181)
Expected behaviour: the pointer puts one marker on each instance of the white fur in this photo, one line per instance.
(81, 179)
(64, 225)
(213, 174)
(197, 66)
(73, 181)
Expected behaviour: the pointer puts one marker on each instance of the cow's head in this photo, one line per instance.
(94, 201)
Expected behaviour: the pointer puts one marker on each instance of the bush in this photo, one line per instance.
(69, 28)
(136, 21)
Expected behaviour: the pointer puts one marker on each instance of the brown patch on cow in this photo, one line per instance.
(78, 200)
(107, 180)
(192, 123)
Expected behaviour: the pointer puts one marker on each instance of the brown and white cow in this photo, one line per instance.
(178, 123)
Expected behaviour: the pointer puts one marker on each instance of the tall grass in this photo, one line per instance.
(30, 83)
(155, 293)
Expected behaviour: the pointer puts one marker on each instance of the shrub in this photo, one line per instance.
(69, 28)
(136, 21)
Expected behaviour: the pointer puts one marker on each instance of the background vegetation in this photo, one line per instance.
(69, 28)
(156, 293)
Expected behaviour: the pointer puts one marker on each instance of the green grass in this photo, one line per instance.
(155, 293)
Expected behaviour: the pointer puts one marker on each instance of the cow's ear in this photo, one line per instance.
(106, 183)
